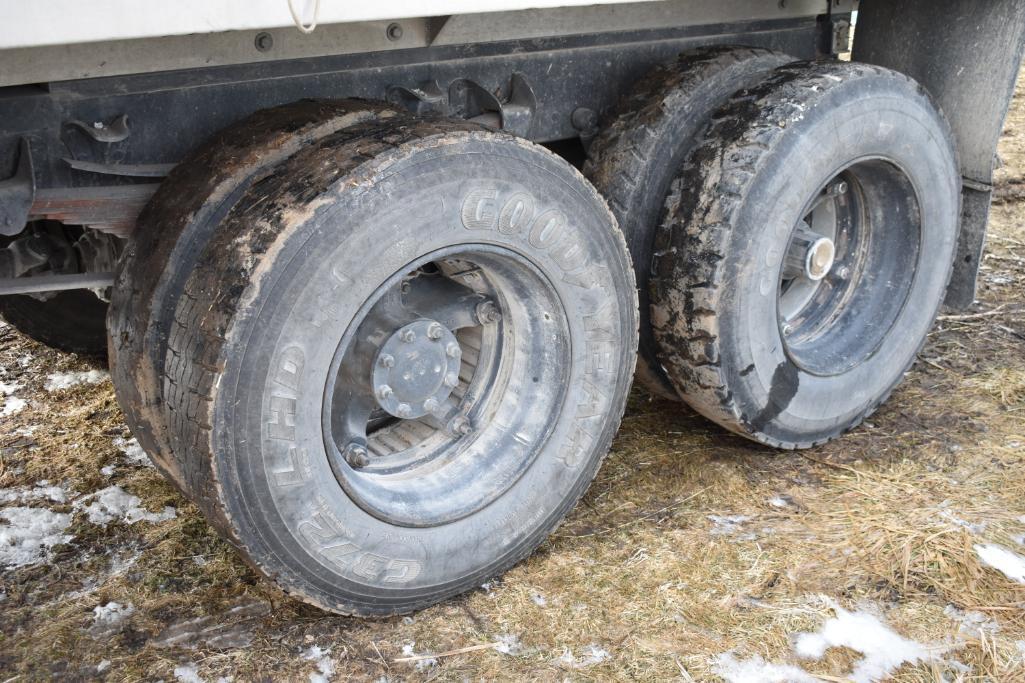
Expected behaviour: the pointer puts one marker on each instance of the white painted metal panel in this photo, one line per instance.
(27, 23)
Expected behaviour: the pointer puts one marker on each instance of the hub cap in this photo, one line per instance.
(417, 369)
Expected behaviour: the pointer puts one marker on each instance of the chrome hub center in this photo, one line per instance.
(416, 369)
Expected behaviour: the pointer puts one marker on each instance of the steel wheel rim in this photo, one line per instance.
(869, 211)
(487, 430)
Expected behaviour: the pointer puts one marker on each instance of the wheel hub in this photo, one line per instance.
(416, 369)
(810, 255)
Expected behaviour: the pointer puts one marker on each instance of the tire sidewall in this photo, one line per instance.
(322, 271)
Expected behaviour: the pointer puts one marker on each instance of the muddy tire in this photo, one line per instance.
(72, 321)
(638, 153)
(171, 233)
(809, 252)
(401, 361)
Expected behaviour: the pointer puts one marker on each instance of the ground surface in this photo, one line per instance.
(695, 554)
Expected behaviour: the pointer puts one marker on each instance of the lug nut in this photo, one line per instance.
(403, 410)
(844, 272)
(460, 426)
(356, 455)
(430, 405)
(407, 336)
(384, 392)
(837, 189)
(787, 329)
(386, 360)
(434, 331)
(452, 350)
(488, 313)
(451, 381)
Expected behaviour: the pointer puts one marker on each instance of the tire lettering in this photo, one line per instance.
(290, 366)
(478, 210)
(297, 471)
(281, 424)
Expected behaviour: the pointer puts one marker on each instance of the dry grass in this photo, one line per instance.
(887, 517)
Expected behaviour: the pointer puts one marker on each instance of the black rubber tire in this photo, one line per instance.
(741, 194)
(637, 154)
(292, 266)
(73, 321)
(171, 233)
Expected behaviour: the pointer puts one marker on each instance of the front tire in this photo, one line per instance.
(401, 362)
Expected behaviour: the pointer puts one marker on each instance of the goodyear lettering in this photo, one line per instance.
(281, 424)
(297, 471)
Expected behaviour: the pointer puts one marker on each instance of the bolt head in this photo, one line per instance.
(403, 410)
(356, 455)
(451, 380)
(460, 426)
(430, 405)
(408, 336)
(787, 329)
(488, 313)
(452, 350)
(844, 272)
(434, 331)
(386, 360)
(384, 392)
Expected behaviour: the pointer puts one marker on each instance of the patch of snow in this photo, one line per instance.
(779, 502)
(730, 525)
(884, 649)
(133, 451)
(110, 618)
(971, 623)
(757, 670)
(26, 431)
(12, 406)
(508, 644)
(589, 656)
(107, 471)
(114, 503)
(8, 389)
(420, 664)
(325, 665)
(42, 489)
(29, 533)
(1011, 565)
(59, 381)
(538, 599)
(954, 519)
(187, 673)
(102, 666)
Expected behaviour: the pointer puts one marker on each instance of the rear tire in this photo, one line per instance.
(810, 251)
(400, 362)
(636, 156)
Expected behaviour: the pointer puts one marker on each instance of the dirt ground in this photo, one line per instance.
(694, 556)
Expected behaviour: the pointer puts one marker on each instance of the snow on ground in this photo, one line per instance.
(6, 389)
(12, 406)
(28, 533)
(187, 673)
(508, 644)
(884, 649)
(133, 451)
(114, 503)
(110, 618)
(1011, 565)
(972, 624)
(757, 670)
(325, 665)
(420, 664)
(727, 525)
(42, 489)
(59, 381)
(589, 656)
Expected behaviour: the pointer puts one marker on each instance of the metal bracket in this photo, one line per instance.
(515, 114)
(115, 131)
(17, 193)
(426, 99)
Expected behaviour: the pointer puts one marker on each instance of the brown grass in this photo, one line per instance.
(877, 518)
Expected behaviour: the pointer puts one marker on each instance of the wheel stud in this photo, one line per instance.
(356, 455)
(386, 360)
(430, 405)
(487, 313)
(403, 410)
(451, 380)
(434, 332)
(453, 350)
(787, 329)
(844, 273)
(384, 392)
(408, 336)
